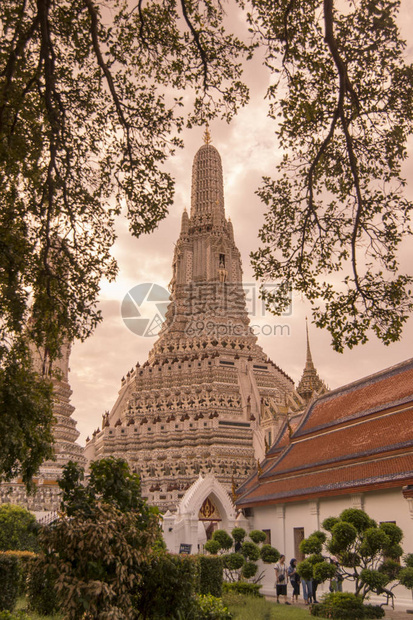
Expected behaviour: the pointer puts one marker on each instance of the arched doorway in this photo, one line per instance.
(210, 516)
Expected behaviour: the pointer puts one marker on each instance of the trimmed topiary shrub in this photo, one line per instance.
(269, 554)
(249, 570)
(243, 587)
(210, 575)
(9, 581)
(341, 606)
(233, 561)
(41, 592)
(250, 550)
(257, 536)
(212, 546)
(238, 534)
(223, 538)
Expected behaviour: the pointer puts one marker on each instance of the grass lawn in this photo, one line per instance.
(242, 608)
(22, 604)
(254, 608)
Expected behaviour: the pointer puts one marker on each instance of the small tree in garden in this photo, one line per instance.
(97, 549)
(367, 552)
(405, 574)
(241, 563)
(18, 529)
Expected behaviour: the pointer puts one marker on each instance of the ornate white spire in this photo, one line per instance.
(207, 197)
(310, 383)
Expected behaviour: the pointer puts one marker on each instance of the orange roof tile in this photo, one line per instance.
(385, 432)
(369, 394)
(372, 474)
(358, 437)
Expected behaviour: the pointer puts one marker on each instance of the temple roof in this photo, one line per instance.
(355, 438)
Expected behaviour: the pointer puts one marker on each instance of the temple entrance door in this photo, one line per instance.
(210, 527)
(210, 516)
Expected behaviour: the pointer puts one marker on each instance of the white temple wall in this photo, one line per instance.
(281, 519)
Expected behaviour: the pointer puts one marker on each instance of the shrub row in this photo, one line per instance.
(9, 581)
(345, 606)
(242, 587)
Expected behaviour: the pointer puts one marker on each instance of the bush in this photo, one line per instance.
(8, 615)
(242, 587)
(208, 607)
(406, 577)
(257, 536)
(249, 570)
(312, 544)
(341, 606)
(18, 529)
(250, 551)
(41, 592)
(238, 534)
(168, 582)
(233, 561)
(305, 570)
(212, 546)
(358, 518)
(344, 534)
(373, 611)
(9, 581)
(223, 538)
(269, 554)
(210, 575)
(323, 571)
(24, 559)
(329, 523)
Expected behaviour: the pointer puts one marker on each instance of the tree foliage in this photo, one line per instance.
(18, 529)
(342, 95)
(95, 552)
(91, 103)
(109, 481)
(90, 108)
(242, 562)
(26, 416)
(363, 549)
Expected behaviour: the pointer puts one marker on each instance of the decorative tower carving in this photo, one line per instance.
(196, 406)
(310, 383)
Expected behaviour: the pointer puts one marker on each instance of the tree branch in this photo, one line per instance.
(198, 44)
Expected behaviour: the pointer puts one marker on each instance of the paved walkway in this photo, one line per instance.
(391, 614)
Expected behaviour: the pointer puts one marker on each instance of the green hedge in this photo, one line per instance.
(9, 581)
(168, 582)
(24, 559)
(210, 575)
(41, 592)
(9, 615)
(242, 587)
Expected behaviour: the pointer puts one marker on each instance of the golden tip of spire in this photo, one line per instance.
(207, 135)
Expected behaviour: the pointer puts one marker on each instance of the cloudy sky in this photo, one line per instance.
(248, 148)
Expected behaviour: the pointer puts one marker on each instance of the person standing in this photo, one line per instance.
(294, 579)
(307, 590)
(281, 579)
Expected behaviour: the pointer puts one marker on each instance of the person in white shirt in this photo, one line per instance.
(281, 579)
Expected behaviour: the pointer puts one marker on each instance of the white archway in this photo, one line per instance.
(182, 527)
